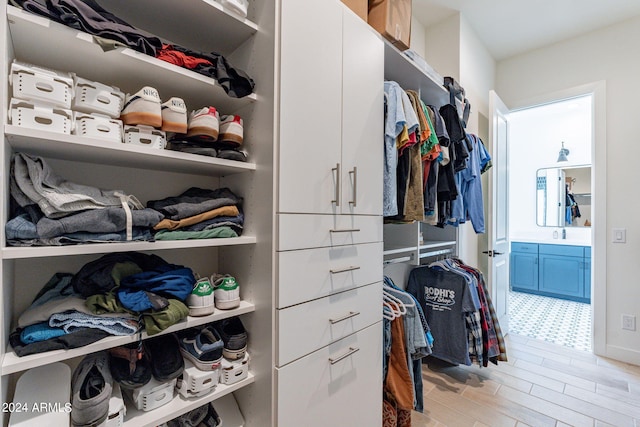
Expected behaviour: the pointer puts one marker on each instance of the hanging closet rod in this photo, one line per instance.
(397, 260)
(436, 253)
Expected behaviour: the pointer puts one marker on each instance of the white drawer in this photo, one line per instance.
(315, 273)
(305, 328)
(327, 389)
(298, 231)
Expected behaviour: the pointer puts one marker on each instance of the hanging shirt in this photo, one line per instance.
(395, 122)
(445, 299)
(470, 204)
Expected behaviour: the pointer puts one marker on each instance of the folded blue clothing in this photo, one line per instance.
(40, 332)
(217, 221)
(165, 280)
(20, 228)
(73, 320)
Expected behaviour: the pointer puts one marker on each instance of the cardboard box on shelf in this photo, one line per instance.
(360, 7)
(392, 19)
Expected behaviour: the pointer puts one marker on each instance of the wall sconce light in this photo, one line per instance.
(562, 156)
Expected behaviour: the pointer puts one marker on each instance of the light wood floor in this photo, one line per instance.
(543, 384)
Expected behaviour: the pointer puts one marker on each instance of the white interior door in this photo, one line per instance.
(498, 206)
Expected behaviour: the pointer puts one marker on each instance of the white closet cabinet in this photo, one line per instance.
(328, 353)
(153, 174)
(330, 119)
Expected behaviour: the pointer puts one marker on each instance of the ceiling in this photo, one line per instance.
(510, 27)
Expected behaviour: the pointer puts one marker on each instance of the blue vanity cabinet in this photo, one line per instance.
(562, 271)
(559, 271)
(523, 269)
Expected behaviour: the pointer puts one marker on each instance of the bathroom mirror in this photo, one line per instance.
(563, 196)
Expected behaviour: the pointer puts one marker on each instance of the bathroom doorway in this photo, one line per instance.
(551, 221)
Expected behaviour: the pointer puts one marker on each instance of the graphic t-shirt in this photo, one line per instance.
(445, 298)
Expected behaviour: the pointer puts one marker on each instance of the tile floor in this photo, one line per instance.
(562, 322)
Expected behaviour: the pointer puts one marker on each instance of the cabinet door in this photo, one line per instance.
(524, 271)
(310, 105)
(338, 385)
(362, 117)
(562, 276)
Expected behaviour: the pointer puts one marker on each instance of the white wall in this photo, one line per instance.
(535, 137)
(417, 42)
(609, 54)
(442, 47)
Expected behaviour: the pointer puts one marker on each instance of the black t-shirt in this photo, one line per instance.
(445, 298)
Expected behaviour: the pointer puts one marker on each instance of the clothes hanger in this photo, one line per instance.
(402, 308)
(386, 288)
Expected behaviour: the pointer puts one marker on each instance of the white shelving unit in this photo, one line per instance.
(200, 25)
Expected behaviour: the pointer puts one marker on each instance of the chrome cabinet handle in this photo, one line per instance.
(345, 317)
(355, 185)
(346, 230)
(344, 356)
(344, 270)
(337, 189)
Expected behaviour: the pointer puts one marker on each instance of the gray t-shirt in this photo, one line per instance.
(445, 298)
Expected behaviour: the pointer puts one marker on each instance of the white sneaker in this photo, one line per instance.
(238, 6)
(205, 121)
(201, 299)
(174, 116)
(226, 291)
(142, 108)
(231, 129)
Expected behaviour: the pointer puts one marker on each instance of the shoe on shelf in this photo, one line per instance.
(91, 387)
(204, 122)
(142, 108)
(202, 347)
(202, 416)
(164, 357)
(226, 291)
(129, 366)
(237, 6)
(174, 116)
(231, 129)
(234, 338)
(201, 299)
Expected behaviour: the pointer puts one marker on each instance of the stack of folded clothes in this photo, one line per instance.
(48, 210)
(117, 294)
(199, 214)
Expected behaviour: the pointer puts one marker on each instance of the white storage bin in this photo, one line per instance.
(97, 126)
(35, 83)
(40, 116)
(196, 383)
(146, 136)
(95, 97)
(152, 395)
(234, 371)
(117, 408)
(227, 409)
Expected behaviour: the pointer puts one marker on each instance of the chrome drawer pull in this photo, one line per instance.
(344, 356)
(346, 230)
(345, 317)
(355, 185)
(343, 270)
(337, 189)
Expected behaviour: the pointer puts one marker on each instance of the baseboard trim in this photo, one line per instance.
(623, 354)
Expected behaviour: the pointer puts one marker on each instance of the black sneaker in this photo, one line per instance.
(234, 337)
(163, 353)
(202, 416)
(202, 347)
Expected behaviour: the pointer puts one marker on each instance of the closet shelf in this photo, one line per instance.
(437, 244)
(398, 67)
(39, 41)
(224, 31)
(83, 149)
(101, 248)
(398, 250)
(12, 363)
(180, 405)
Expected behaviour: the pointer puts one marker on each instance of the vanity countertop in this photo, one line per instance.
(569, 242)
